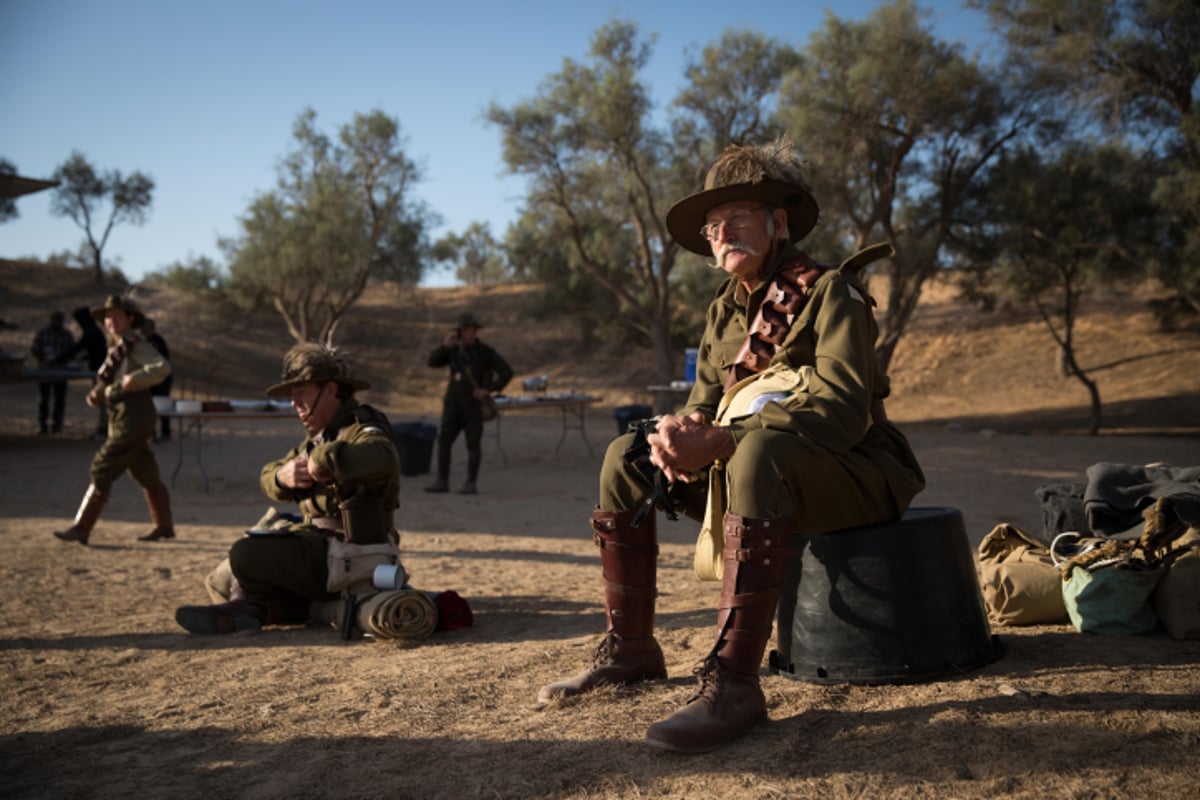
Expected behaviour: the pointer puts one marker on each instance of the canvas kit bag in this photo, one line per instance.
(352, 566)
(1019, 580)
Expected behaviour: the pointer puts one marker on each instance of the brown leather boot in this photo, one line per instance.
(93, 503)
(730, 700)
(158, 499)
(231, 617)
(629, 563)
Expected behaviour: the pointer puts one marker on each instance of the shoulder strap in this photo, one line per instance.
(868, 255)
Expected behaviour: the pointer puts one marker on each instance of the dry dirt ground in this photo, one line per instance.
(105, 697)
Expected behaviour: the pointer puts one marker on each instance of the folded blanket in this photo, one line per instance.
(1116, 495)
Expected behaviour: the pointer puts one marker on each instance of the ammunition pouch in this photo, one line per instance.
(365, 520)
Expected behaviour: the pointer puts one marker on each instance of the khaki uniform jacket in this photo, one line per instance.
(832, 342)
(142, 363)
(357, 449)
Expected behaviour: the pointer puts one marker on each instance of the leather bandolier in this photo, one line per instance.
(112, 362)
(785, 298)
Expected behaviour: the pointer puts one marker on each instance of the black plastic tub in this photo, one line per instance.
(892, 603)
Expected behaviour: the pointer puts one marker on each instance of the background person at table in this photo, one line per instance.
(345, 476)
(476, 370)
(94, 345)
(123, 384)
(150, 331)
(52, 346)
(784, 433)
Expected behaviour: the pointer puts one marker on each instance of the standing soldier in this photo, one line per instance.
(52, 346)
(476, 372)
(123, 384)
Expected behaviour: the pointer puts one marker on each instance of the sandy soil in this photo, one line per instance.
(105, 697)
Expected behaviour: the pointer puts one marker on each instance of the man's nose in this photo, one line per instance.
(725, 231)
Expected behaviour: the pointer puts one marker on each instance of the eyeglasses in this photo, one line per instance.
(736, 222)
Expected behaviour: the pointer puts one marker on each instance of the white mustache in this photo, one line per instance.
(735, 247)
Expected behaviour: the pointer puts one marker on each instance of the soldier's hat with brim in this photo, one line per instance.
(121, 303)
(770, 174)
(314, 373)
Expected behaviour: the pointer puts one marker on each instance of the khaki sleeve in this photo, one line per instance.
(367, 453)
(146, 366)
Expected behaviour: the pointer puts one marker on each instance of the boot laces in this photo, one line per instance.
(603, 655)
(711, 675)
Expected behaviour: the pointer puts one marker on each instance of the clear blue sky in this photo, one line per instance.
(202, 96)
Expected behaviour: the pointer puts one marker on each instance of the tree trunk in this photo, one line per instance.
(664, 356)
(1094, 395)
(1072, 367)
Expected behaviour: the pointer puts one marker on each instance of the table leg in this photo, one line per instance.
(496, 435)
(195, 425)
(183, 431)
(200, 453)
(577, 410)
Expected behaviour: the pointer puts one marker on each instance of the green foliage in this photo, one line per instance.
(603, 171)
(342, 214)
(898, 128)
(1065, 222)
(1132, 66)
(478, 256)
(197, 274)
(83, 193)
(730, 85)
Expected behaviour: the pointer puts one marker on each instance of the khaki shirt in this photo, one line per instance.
(357, 449)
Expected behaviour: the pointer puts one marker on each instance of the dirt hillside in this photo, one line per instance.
(956, 364)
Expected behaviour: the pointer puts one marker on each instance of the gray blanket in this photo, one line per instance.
(1116, 495)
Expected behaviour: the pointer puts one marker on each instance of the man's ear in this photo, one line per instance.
(781, 223)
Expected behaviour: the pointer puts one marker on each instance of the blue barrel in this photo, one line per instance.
(689, 364)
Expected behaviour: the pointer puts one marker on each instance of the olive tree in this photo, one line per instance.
(84, 194)
(343, 213)
(475, 254)
(604, 169)
(1133, 68)
(899, 128)
(1065, 221)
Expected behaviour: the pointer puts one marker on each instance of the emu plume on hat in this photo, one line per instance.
(122, 303)
(316, 363)
(770, 173)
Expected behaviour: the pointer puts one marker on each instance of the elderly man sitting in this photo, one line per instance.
(783, 433)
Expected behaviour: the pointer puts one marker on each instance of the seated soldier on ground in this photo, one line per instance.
(345, 477)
